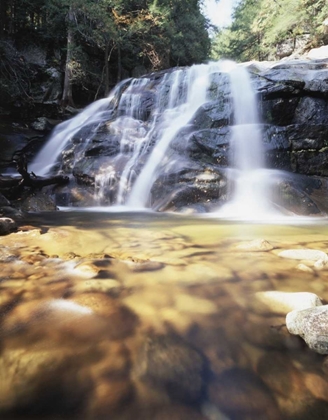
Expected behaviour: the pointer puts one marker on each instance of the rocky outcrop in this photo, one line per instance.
(293, 107)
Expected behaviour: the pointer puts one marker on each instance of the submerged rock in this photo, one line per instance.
(170, 364)
(312, 325)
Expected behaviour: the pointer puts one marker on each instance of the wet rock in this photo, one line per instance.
(7, 225)
(4, 201)
(312, 325)
(38, 201)
(241, 394)
(283, 302)
(170, 364)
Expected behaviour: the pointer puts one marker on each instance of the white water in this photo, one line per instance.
(251, 192)
(181, 108)
(121, 181)
(63, 133)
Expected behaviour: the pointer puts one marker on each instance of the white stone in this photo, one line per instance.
(284, 302)
(318, 53)
(305, 268)
(312, 325)
(257, 245)
(304, 254)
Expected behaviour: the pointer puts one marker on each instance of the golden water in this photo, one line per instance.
(152, 316)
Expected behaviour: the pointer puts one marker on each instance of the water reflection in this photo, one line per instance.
(150, 316)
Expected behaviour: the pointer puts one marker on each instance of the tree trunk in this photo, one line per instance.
(107, 69)
(67, 98)
(119, 64)
(3, 17)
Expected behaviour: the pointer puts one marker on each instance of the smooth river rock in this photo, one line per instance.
(312, 325)
(283, 302)
(304, 254)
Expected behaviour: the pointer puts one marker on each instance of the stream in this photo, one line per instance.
(131, 315)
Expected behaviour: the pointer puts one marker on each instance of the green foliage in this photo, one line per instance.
(122, 34)
(260, 25)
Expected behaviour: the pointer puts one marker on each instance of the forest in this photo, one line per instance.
(260, 27)
(95, 44)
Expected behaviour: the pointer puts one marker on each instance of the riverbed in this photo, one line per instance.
(153, 316)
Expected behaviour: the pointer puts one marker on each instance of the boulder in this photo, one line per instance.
(7, 225)
(312, 325)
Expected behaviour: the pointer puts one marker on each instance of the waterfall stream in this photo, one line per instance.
(144, 134)
(251, 193)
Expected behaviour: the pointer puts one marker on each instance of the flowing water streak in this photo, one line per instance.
(250, 199)
(181, 107)
(140, 146)
(45, 160)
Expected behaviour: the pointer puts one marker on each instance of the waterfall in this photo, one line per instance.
(250, 195)
(138, 122)
(181, 107)
(92, 116)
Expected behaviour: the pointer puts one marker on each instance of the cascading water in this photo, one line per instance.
(92, 115)
(251, 191)
(181, 107)
(143, 130)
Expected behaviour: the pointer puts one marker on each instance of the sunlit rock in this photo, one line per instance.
(283, 302)
(257, 245)
(305, 268)
(120, 320)
(304, 254)
(312, 325)
(53, 320)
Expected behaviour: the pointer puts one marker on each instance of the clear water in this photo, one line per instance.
(155, 316)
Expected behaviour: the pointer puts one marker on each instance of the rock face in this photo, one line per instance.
(293, 107)
(312, 325)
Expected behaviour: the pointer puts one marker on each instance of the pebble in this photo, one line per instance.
(257, 245)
